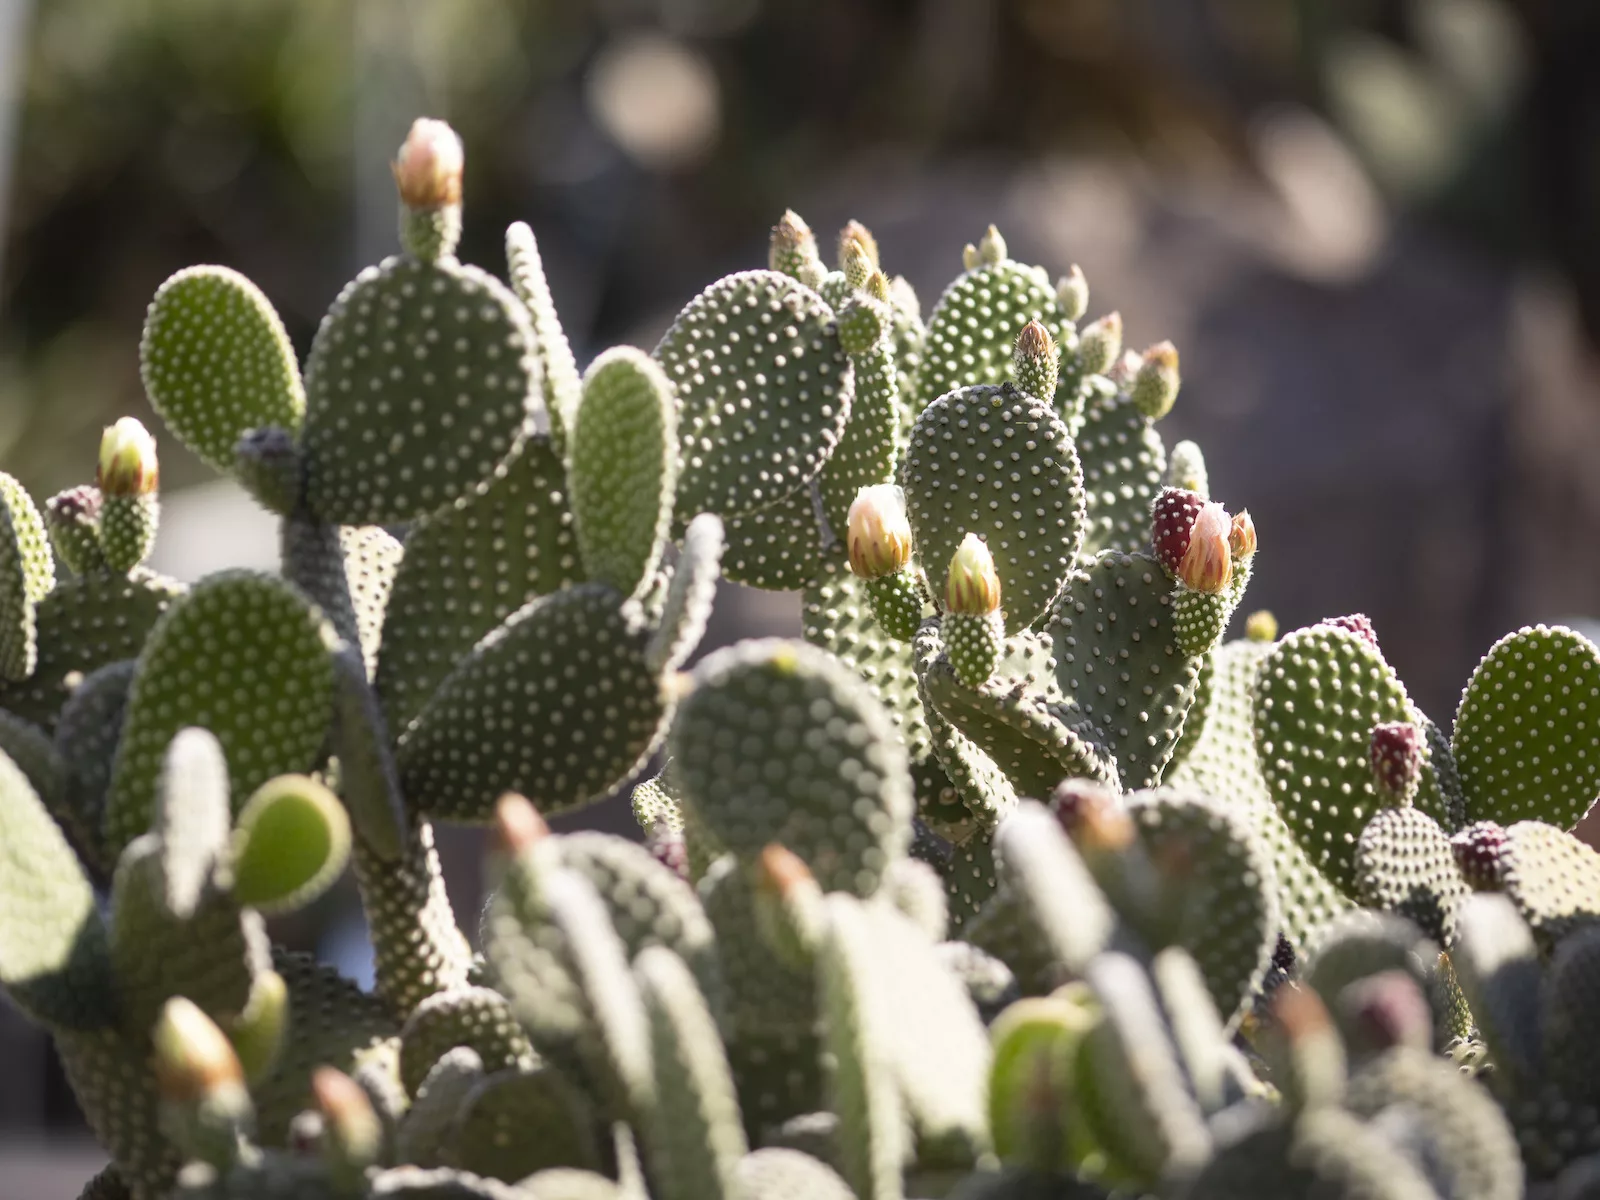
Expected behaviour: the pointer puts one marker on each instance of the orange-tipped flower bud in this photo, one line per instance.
(1242, 536)
(193, 1058)
(517, 826)
(128, 464)
(879, 534)
(1072, 293)
(972, 585)
(792, 245)
(429, 167)
(855, 231)
(783, 871)
(1206, 565)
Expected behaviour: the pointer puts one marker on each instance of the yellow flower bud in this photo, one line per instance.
(128, 464)
(879, 534)
(1242, 536)
(1206, 565)
(972, 585)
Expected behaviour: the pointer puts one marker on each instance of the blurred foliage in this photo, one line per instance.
(651, 141)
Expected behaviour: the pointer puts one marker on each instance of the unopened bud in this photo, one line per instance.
(127, 460)
(991, 248)
(194, 1060)
(1072, 293)
(1206, 565)
(792, 245)
(429, 167)
(788, 905)
(879, 534)
(1386, 1010)
(1099, 343)
(783, 872)
(352, 1133)
(1037, 359)
(856, 265)
(1357, 623)
(1479, 851)
(969, 257)
(1261, 626)
(860, 235)
(1242, 536)
(1091, 815)
(972, 586)
(73, 519)
(1155, 385)
(1396, 750)
(1125, 369)
(517, 826)
(877, 286)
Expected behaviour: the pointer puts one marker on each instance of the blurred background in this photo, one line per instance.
(1370, 226)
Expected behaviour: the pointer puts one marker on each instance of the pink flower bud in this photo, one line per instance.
(1206, 565)
(428, 169)
(972, 585)
(1397, 760)
(879, 534)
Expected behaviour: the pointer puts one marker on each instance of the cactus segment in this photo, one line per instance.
(623, 464)
(86, 739)
(425, 1131)
(369, 781)
(270, 650)
(371, 560)
(42, 765)
(192, 819)
(1123, 461)
(1552, 878)
(116, 1089)
(695, 1130)
(1036, 1042)
(1319, 694)
(516, 1122)
(974, 325)
(561, 387)
(1524, 734)
(217, 362)
(833, 786)
(765, 993)
(764, 391)
(779, 549)
(477, 1018)
(420, 382)
(1010, 457)
(291, 843)
(27, 573)
(1116, 656)
(866, 451)
(53, 960)
(596, 702)
(689, 595)
(467, 569)
(1404, 864)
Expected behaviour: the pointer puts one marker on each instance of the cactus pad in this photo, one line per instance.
(974, 325)
(468, 569)
(291, 843)
(1404, 864)
(27, 573)
(689, 595)
(571, 666)
(994, 462)
(517, 1122)
(86, 736)
(477, 1018)
(1123, 459)
(559, 377)
(1552, 878)
(777, 549)
(764, 391)
(268, 696)
(1525, 733)
(623, 463)
(217, 362)
(830, 779)
(420, 382)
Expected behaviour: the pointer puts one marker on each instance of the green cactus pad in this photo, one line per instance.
(218, 363)
(1497, 964)
(559, 380)
(836, 614)
(425, 1131)
(779, 549)
(862, 1087)
(997, 463)
(1525, 732)
(192, 819)
(689, 595)
(369, 782)
(111, 1078)
(694, 1131)
(242, 655)
(971, 877)
(974, 325)
(1570, 1002)
(53, 961)
(779, 742)
(475, 1017)
(291, 843)
(570, 666)
(1403, 864)
(420, 382)
(866, 453)
(127, 530)
(764, 391)
(1222, 763)
(765, 992)
(1116, 656)
(1319, 694)
(517, 1122)
(86, 738)
(419, 950)
(27, 573)
(1123, 459)
(42, 765)
(622, 460)
(371, 559)
(779, 1077)
(1552, 878)
(775, 1173)
(468, 569)
(84, 624)
(1227, 914)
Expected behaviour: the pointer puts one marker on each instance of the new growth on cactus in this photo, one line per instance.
(1013, 877)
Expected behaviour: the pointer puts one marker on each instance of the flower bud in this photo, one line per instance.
(1206, 565)
(1242, 536)
(1386, 1010)
(972, 585)
(1261, 626)
(193, 1058)
(856, 264)
(428, 169)
(517, 826)
(1396, 751)
(1037, 360)
(877, 286)
(991, 248)
(1479, 851)
(1155, 384)
(860, 235)
(127, 460)
(1091, 815)
(879, 534)
(1072, 293)
(792, 245)
(1099, 343)
(1172, 517)
(969, 257)
(1357, 623)
(352, 1132)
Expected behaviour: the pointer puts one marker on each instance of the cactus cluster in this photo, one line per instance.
(1013, 877)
